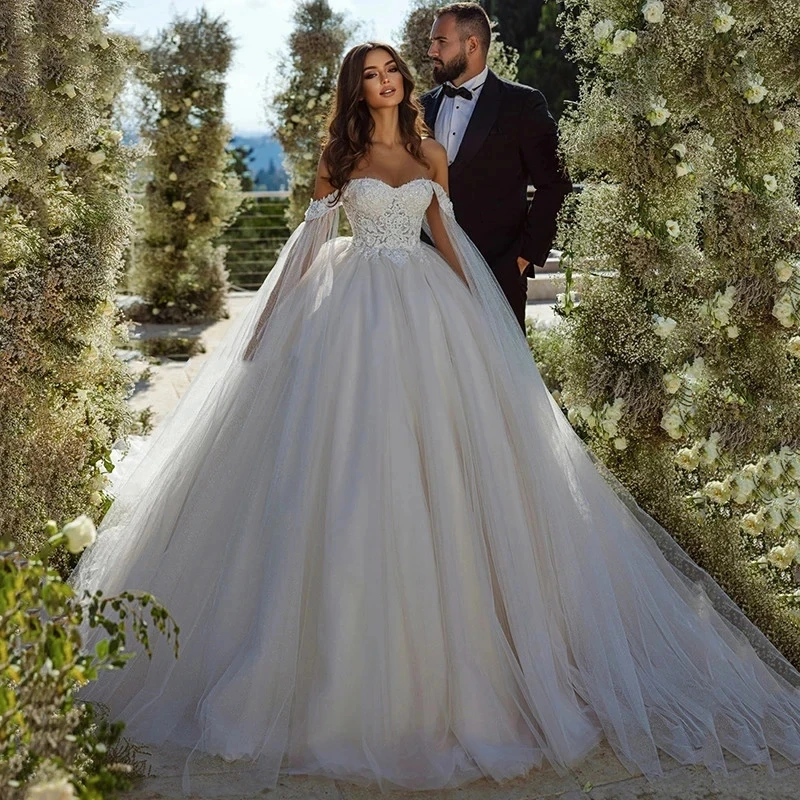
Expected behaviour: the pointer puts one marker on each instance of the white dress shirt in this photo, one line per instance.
(454, 116)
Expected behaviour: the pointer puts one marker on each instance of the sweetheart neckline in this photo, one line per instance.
(381, 181)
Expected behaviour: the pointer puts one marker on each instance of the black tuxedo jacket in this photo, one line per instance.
(511, 141)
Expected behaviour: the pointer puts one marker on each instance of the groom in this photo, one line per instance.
(499, 137)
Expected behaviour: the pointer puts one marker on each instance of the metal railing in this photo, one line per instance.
(254, 240)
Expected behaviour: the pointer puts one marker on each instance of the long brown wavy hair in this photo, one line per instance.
(350, 124)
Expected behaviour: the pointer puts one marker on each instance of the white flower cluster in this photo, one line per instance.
(682, 166)
(604, 421)
(305, 103)
(723, 19)
(653, 11)
(612, 40)
(663, 326)
(755, 91)
(676, 420)
(786, 308)
(718, 310)
(658, 112)
(704, 451)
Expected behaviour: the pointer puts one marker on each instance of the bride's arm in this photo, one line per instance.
(437, 158)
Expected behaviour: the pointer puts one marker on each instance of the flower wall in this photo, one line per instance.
(193, 194)
(65, 219)
(681, 358)
(308, 82)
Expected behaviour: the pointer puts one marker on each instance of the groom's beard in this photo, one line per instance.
(451, 70)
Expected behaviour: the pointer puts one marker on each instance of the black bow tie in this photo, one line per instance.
(452, 91)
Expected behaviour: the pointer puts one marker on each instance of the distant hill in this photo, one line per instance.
(265, 162)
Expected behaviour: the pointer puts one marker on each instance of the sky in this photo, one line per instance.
(260, 28)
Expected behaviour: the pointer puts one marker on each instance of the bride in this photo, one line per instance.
(391, 558)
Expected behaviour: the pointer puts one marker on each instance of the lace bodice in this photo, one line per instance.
(384, 217)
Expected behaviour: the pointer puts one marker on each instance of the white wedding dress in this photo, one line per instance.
(391, 558)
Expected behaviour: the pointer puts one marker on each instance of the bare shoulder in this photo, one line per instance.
(434, 152)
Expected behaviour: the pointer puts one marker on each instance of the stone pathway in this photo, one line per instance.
(600, 777)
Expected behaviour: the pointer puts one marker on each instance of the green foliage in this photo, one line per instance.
(308, 82)
(47, 737)
(415, 39)
(544, 64)
(180, 347)
(682, 367)
(193, 194)
(65, 220)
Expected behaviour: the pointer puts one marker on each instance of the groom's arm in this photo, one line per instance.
(539, 148)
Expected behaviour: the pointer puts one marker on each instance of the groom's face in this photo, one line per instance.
(448, 51)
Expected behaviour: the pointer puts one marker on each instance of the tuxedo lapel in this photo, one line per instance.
(432, 105)
(480, 123)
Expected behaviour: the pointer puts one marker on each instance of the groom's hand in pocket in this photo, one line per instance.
(522, 264)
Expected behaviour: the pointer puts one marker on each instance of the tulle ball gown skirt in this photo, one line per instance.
(392, 560)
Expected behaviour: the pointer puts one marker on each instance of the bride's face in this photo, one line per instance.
(381, 80)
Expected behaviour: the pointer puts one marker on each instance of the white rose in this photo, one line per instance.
(721, 315)
(623, 40)
(687, 459)
(585, 412)
(620, 443)
(770, 468)
(164, 122)
(573, 416)
(609, 427)
(792, 467)
(663, 326)
(708, 450)
(783, 311)
(683, 168)
(679, 150)
(723, 21)
(672, 382)
(658, 113)
(771, 183)
(752, 524)
(793, 346)
(793, 518)
(673, 228)
(67, 89)
(34, 138)
(732, 331)
(653, 11)
(179, 205)
(603, 30)
(777, 126)
(53, 790)
(98, 482)
(782, 557)
(183, 158)
(742, 488)
(95, 498)
(323, 98)
(96, 157)
(187, 102)
(755, 92)
(295, 118)
(311, 103)
(783, 270)
(173, 176)
(718, 492)
(79, 533)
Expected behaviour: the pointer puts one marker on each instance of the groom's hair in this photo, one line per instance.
(471, 20)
